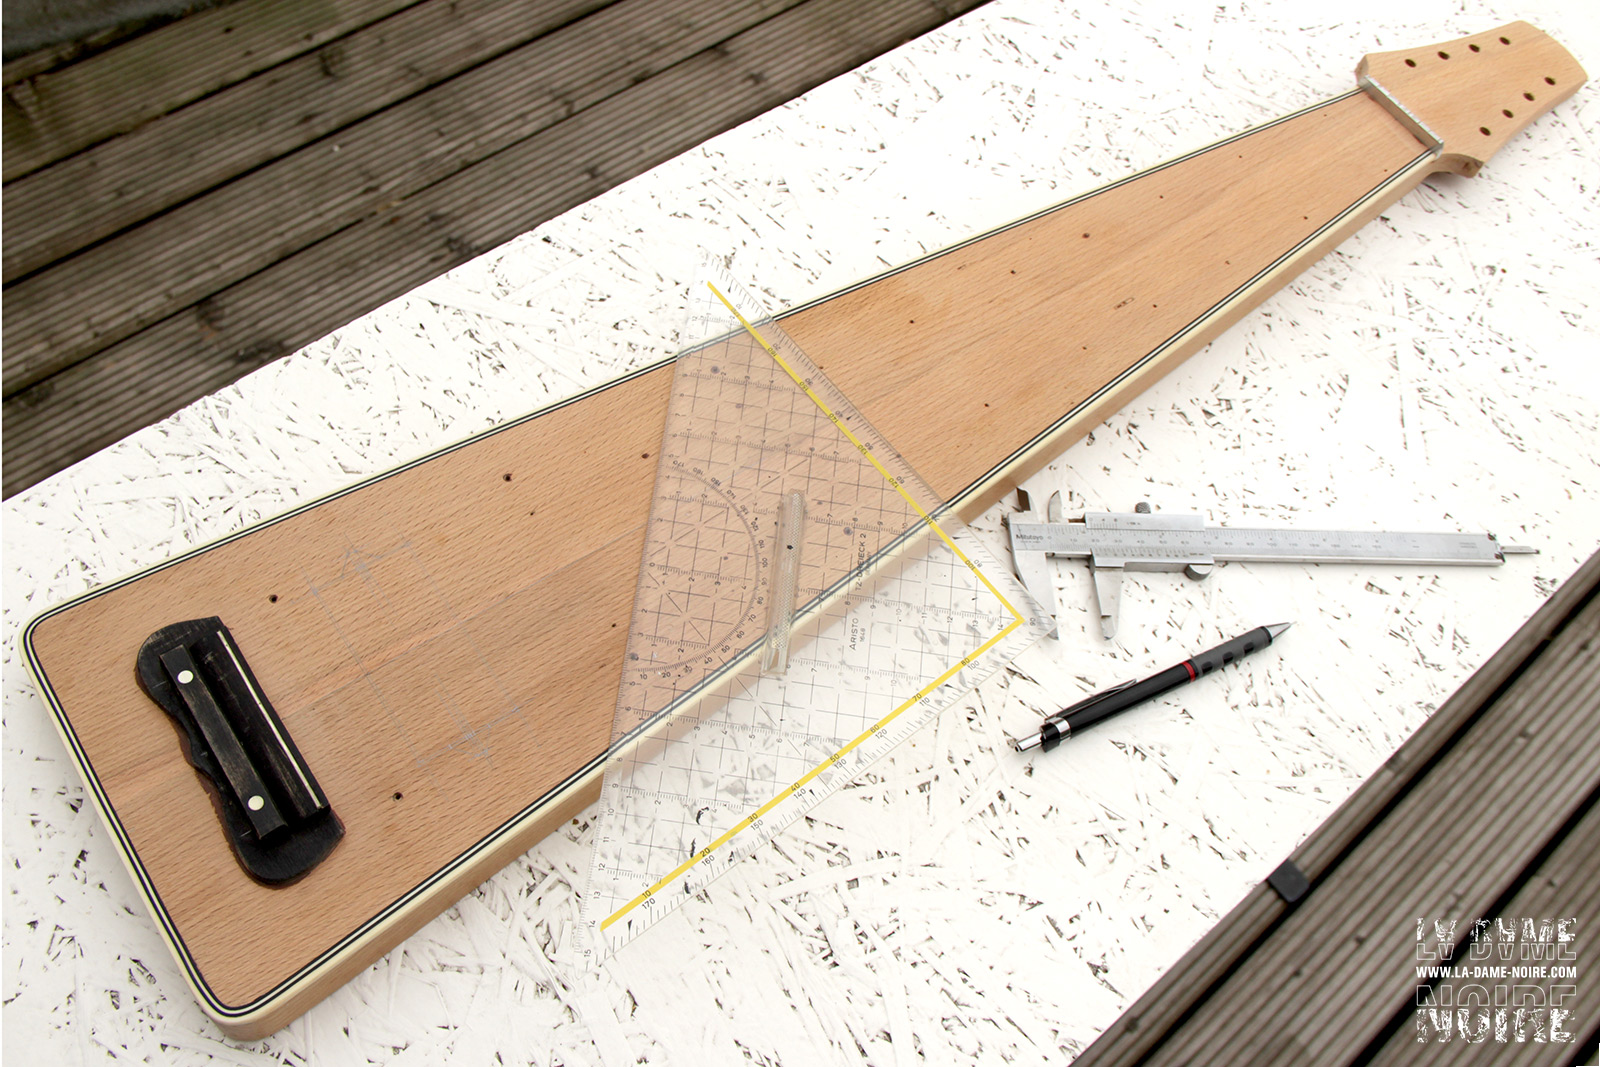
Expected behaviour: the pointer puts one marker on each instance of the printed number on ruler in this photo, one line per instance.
(898, 612)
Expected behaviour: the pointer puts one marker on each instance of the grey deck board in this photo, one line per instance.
(175, 260)
(1340, 964)
(54, 56)
(125, 180)
(54, 113)
(1510, 756)
(202, 294)
(1563, 885)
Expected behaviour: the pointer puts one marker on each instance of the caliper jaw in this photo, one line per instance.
(1115, 543)
(1107, 575)
(1100, 544)
(1033, 567)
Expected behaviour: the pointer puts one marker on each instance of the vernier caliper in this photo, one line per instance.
(1117, 542)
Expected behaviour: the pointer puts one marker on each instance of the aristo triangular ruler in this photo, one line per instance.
(805, 602)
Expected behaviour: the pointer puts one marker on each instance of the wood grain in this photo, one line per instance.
(391, 244)
(397, 663)
(51, 114)
(1339, 966)
(1562, 886)
(177, 258)
(1476, 93)
(125, 180)
(445, 652)
(394, 626)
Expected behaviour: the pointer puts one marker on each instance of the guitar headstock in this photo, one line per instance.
(1473, 94)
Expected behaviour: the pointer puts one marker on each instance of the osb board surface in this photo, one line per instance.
(964, 903)
(438, 641)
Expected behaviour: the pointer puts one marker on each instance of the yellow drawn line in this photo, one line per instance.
(965, 661)
(833, 416)
(801, 782)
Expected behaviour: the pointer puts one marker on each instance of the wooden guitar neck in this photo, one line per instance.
(444, 644)
(1466, 98)
(1110, 290)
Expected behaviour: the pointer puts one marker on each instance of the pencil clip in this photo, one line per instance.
(1091, 701)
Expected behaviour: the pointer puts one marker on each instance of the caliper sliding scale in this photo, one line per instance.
(1117, 542)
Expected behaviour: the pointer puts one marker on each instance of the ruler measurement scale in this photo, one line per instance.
(897, 619)
(1225, 544)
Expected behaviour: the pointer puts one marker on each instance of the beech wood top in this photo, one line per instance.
(1474, 93)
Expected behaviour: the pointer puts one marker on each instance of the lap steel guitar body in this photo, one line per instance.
(309, 738)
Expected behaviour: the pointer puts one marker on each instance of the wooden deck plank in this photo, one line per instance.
(1352, 945)
(54, 56)
(55, 113)
(1562, 886)
(178, 259)
(1185, 987)
(302, 297)
(125, 180)
(1460, 885)
(1321, 988)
